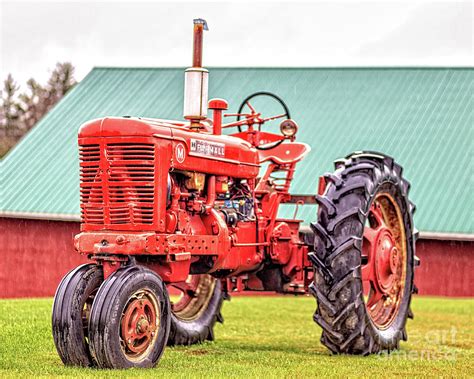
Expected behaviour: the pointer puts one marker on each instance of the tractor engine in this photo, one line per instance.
(234, 200)
(184, 202)
(162, 186)
(237, 204)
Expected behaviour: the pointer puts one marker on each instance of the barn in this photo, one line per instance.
(420, 116)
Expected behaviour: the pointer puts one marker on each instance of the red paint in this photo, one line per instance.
(217, 105)
(36, 254)
(379, 249)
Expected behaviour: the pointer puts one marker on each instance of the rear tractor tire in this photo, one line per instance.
(195, 312)
(364, 256)
(71, 311)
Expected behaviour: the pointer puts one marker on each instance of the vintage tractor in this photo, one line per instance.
(176, 216)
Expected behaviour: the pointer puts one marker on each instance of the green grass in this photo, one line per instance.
(261, 337)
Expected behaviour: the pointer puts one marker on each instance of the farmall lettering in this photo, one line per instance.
(206, 148)
(204, 232)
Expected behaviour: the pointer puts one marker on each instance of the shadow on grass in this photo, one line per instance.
(221, 348)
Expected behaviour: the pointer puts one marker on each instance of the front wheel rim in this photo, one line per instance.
(139, 324)
(384, 260)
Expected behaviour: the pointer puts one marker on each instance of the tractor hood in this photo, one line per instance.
(122, 127)
(189, 150)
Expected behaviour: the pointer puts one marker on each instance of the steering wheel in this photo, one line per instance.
(246, 101)
(255, 118)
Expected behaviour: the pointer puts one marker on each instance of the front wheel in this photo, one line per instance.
(195, 309)
(364, 256)
(130, 319)
(71, 311)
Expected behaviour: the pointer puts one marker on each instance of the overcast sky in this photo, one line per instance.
(35, 35)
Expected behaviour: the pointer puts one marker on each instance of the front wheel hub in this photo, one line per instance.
(139, 323)
(142, 325)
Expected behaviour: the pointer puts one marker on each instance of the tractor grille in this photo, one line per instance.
(117, 183)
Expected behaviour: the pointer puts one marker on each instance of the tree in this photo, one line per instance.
(19, 113)
(9, 107)
(10, 113)
(33, 104)
(60, 82)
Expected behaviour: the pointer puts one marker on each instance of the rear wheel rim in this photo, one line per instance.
(384, 260)
(195, 294)
(139, 324)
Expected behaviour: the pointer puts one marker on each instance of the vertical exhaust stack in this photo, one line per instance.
(196, 80)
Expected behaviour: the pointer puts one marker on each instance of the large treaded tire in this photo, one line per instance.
(342, 213)
(200, 329)
(107, 312)
(69, 334)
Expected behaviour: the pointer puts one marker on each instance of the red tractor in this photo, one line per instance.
(176, 216)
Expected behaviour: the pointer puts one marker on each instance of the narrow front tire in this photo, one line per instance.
(130, 319)
(71, 311)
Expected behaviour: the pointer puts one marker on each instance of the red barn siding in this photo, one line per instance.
(447, 268)
(36, 254)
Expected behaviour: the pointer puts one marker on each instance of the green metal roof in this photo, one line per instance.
(422, 117)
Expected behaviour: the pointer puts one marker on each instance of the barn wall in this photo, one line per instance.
(36, 254)
(447, 268)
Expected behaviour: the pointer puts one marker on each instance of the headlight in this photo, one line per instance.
(288, 128)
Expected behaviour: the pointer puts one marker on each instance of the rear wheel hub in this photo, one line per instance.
(194, 296)
(384, 260)
(385, 256)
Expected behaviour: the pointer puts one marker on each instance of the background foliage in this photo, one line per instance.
(20, 111)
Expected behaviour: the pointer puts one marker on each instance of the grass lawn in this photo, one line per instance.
(261, 337)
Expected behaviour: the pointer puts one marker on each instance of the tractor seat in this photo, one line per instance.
(285, 153)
